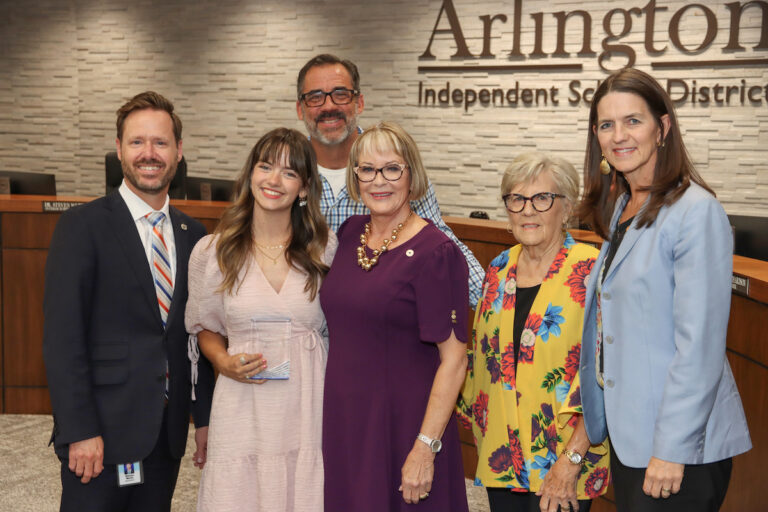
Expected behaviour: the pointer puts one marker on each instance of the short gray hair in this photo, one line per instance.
(529, 166)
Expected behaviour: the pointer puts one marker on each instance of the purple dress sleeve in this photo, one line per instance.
(441, 288)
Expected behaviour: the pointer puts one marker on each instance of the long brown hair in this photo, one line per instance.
(674, 170)
(310, 231)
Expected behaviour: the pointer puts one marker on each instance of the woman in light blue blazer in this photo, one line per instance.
(654, 373)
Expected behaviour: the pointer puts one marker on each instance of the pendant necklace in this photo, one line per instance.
(264, 248)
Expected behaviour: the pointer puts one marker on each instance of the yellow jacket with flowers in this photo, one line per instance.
(523, 413)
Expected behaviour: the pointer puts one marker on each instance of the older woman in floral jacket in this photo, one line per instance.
(521, 397)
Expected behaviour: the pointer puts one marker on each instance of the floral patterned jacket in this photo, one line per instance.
(522, 420)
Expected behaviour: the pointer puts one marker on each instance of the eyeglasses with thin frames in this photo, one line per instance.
(393, 171)
(541, 202)
(339, 96)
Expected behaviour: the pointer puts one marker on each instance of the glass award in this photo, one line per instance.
(271, 339)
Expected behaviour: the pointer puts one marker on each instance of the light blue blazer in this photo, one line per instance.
(669, 391)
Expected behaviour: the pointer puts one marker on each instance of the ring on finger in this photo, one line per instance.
(242, 360)
(424, 496)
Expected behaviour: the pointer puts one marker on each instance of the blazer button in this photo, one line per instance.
(609, 340)
(609, 383)
(606, 296)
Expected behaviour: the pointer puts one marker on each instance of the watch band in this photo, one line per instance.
(434, 444)
(574, 457)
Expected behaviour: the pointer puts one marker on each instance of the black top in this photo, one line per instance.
(616, 239)
(524, 298)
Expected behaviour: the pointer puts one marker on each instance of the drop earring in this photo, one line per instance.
(605, 167)
(302, 201)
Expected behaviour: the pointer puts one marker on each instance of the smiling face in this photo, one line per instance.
(275, 186)
(148, 153)
(629, 135)
(382, 197)
(329, 123)
(538, 229)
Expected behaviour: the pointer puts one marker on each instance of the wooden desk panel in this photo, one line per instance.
(23, 317)
(746, 491)
(746, 334)
(28, 230)
(27, 400)
(2, 363)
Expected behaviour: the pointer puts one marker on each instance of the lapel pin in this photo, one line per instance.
(183, 227)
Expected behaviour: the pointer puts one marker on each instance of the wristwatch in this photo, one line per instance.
(574, 457)
(434, 444)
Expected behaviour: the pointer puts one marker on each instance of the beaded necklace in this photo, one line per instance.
(363, 260)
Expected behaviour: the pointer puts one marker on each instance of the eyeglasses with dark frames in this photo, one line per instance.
(339, 96)
(393, 171)
(541, 202)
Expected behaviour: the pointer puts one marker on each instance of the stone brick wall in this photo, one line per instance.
(230, 66)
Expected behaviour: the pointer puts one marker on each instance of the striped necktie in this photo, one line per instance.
(161, 265)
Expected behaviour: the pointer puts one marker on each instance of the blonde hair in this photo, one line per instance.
(387, 136)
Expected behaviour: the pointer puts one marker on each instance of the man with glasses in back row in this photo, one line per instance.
(329, 101)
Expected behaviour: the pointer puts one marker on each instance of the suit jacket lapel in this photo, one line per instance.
(124, 229)
(630, 237)
(181, 241)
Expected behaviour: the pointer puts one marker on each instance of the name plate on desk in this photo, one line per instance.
(740, 285)
(59, 206)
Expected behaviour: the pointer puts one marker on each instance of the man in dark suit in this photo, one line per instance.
(114, 342)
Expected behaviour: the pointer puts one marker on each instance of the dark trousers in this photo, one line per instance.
(703, 488)
(501, 499)
(102, 494)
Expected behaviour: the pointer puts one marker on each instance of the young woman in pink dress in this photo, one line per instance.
(253, 305)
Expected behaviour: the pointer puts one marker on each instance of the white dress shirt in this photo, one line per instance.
(139, 209)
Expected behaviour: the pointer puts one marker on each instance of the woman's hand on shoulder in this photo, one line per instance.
(417, 473)
(559, 487)
(241, 367)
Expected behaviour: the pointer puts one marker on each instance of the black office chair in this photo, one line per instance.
(114, 175)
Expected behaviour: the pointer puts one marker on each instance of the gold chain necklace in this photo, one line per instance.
(271, 247)
(362, 259)
(264, 248)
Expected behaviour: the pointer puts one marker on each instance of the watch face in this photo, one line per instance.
(436, 445)
(575, 458)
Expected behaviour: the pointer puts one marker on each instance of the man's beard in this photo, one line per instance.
(133, 176)
(349, 127)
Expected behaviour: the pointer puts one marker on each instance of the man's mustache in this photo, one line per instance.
(331, 115)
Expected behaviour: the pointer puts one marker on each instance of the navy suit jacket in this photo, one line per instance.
(104, 344)
(669, 391)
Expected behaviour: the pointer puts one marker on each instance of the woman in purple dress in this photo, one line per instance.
(395, 303)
